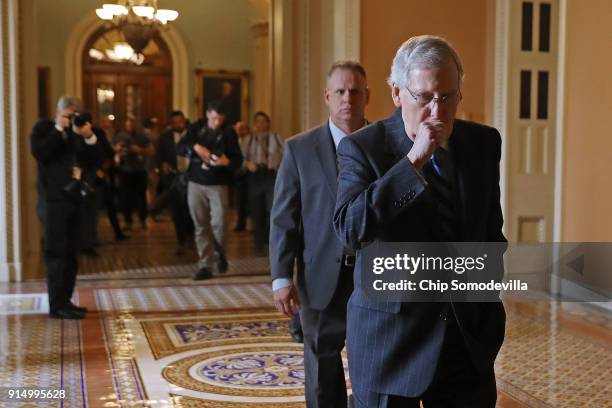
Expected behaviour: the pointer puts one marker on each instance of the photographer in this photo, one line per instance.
(262, 159)
(61, 148)
(172, 179)
(96, 173)
(134, 149)
(214, 156)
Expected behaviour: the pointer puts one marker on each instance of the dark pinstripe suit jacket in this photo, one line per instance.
(301, 228)
(393, 347)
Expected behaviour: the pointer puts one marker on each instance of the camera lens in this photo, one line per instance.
(80, 119)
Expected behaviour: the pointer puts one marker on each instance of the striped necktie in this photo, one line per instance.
(439, 173)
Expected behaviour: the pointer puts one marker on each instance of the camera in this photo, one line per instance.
(77, 190)
(79, 119)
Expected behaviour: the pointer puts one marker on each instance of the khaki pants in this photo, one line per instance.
(207, 207)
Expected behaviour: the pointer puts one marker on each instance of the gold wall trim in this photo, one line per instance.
(8, 132)
(10, 245)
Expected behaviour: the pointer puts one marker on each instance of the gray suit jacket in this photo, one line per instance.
(301, 229)
(394, 347)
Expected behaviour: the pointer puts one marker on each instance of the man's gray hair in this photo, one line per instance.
(67, 101)
(423, 51)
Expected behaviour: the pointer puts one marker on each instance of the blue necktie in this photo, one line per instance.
(439, 175)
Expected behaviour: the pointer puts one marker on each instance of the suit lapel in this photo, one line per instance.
(326, 153)
(398, 143)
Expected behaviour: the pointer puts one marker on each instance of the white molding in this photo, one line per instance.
(180, 68)
(75, 46)
(15, 160)
(500, 112)
(560, 125)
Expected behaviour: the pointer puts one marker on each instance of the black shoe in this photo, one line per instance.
(79, 309)
(67, 313)
(297, 337)
(295, 329)
(222, 265)
(202, 274)
(121, 237)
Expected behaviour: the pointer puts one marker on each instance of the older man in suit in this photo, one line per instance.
(301, 230)
(421, 175)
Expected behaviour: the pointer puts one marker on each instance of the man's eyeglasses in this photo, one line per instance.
(424, 99)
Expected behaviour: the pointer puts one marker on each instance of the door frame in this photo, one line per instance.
(77, 42)
(502, 106)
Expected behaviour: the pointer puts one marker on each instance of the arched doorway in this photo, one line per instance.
(115, 86)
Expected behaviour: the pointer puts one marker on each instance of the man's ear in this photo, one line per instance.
(395, 95)
(326, 96)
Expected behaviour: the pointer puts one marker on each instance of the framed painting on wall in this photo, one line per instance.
(230, 88)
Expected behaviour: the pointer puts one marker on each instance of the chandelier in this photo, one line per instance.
(138, 20)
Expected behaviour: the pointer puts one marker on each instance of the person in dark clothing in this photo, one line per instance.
(61, 150)
(151, 132)
(172, 169)
(133, 149)
(90, 203)
(106, 175)
(214, 155)
(241, 198)
(262, 159)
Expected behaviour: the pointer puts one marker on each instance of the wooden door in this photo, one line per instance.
(117, 95)
(115, 89)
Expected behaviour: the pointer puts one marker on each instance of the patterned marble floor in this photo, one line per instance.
(181, 298)
(211, 360)
(155, 338)
(31, 303)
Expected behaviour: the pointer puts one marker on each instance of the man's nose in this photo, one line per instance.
(435, 109)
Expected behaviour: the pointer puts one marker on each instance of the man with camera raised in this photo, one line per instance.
(214, 155)
(61, 149)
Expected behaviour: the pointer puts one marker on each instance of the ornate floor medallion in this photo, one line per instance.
(218, 359)
(256, 370)
(259, 370)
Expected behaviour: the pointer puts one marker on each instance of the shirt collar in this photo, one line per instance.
(337, 133)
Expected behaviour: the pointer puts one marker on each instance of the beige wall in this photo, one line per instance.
(388, 23)
(587, 189)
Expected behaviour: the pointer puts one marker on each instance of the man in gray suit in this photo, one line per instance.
(301, 232)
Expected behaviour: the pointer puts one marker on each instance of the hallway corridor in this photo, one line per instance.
(154, 337)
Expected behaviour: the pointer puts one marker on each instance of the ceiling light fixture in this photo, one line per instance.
(138, 20)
